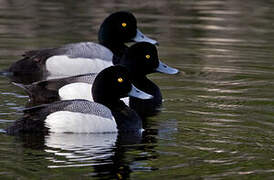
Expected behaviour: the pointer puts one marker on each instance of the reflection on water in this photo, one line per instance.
(105, 152)
(84, 147)
(217, 116)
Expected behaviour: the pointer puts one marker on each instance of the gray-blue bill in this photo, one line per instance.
(163, 68)
(135, 92)
(140, 37)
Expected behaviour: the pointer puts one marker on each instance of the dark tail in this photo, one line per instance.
(15, 128)
(26, 88)
(32, 121)
(24, 125)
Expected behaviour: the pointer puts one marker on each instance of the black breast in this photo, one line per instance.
(127, 120)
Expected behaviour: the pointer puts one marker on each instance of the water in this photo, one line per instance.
(217, 120)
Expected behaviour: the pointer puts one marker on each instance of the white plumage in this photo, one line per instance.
(80, 91)
(75, 122)
(76, 91)
(65, 66)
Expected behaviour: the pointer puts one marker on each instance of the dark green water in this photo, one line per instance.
(217, 120)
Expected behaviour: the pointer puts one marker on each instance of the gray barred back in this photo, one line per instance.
(56, 84)
(80, 106)
(86, 78)
(88, 50)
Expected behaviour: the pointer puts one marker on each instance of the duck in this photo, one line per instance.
(140, 59)
(107, 114)
(83, 57)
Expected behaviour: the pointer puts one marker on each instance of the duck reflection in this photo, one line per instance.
(111, 155)
(77, 148)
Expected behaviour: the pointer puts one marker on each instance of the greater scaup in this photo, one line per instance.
(84, 57)
(106, 114)
(140, 59)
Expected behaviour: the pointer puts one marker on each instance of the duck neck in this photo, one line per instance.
(126, 118)
(117, 49)
(113, 105)
(146, 85)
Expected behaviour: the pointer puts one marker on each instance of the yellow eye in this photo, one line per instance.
(120, 80)
(147, 56)
(124, 24)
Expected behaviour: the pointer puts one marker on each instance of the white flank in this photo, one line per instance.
(74, 122)
(76, 91)
(80, 91)
(66, 66)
